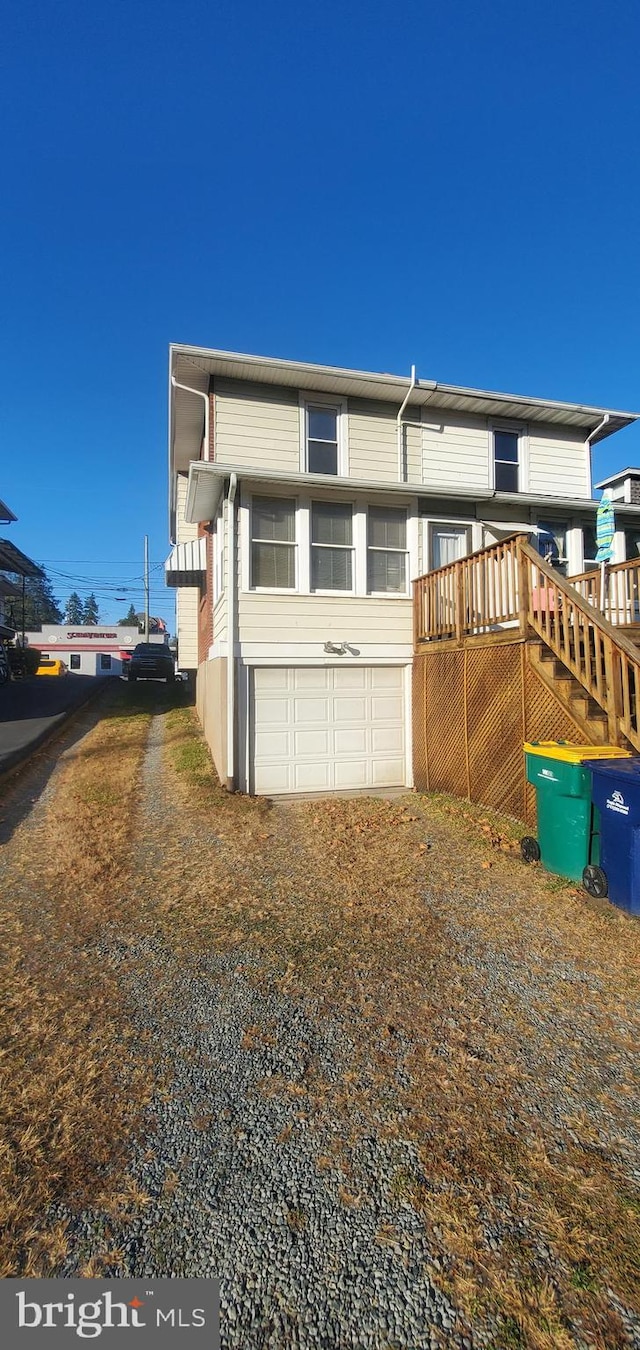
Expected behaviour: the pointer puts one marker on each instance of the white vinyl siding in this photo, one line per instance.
(373, 443)
(256, 426)
(329, 728)
(455, 451)
(185, 531)
(558, 462)
(187, 597)
(270, 620)
(187, 604)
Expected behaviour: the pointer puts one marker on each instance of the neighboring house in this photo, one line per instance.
(92, 649)
(17, 564)
(303, 502)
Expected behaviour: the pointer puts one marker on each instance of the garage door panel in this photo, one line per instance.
(351, 709)
(324, 728)
(350, 677)
(316, 742)
(387, 740)
(274, 677)
(311, 709)
(274, 710)
(273, 744)
(386, 708)
(310, 678)
(387, 677)
(350, 741)
(313, 777)
(350, 774)
(272, 778)
(388, 772)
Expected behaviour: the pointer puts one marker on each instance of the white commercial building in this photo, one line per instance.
(99, 649)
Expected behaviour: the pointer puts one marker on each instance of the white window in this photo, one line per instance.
(323, 424)
(508, 448)
(387, 550)
(447, 543)
(331, 546)
(273, 543)
(551, 543)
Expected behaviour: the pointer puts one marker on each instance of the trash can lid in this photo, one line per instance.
(626, 768)
(574, 754)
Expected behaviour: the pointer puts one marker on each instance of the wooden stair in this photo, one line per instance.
(586, 713)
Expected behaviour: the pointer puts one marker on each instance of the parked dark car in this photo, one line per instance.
(151, 661)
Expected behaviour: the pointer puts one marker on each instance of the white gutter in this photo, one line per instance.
(401, 473)
(231, 631)
(188, 390)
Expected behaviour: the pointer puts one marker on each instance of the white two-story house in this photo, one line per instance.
(303, 501)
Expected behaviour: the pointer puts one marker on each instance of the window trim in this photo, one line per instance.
(388, 595)
(520, 430)
(434, 524)
(75, 657)
(105, 656)
(309, 400)
(285, 543)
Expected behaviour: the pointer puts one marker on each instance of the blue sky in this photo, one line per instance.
(371, 185)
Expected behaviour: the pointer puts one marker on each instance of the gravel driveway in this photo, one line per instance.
(392, 1087)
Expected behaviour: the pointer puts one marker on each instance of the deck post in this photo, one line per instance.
(523, 588)
(613, 677)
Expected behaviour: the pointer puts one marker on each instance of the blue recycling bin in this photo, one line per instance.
(616, 794)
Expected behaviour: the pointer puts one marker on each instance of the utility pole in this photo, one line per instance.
(146, 588)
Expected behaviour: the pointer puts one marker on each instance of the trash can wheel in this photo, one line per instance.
(530, 849)
(595, 882)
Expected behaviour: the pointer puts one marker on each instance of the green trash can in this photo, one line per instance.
(568, 824)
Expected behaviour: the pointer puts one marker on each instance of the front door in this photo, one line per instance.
(447, 544)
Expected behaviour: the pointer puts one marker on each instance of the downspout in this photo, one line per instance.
(600, 427)
(401, 473)
(231, 632)
(189, 390)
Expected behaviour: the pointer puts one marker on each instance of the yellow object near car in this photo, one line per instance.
(52, 667)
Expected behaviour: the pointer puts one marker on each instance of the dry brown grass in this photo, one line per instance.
(330, 895)
(72, 1077)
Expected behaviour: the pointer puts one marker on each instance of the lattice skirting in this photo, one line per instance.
(473, 708)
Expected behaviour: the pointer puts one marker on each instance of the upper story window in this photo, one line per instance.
(387, 549)
(323, 432)
(507, 459)
(322, 438)
(331, 546)
(273, 543)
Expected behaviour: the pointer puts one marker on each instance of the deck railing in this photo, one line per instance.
(621, 590)
(509, 586)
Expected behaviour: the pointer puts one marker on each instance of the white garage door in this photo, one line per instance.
(328, 728)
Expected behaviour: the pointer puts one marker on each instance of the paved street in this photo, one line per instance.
(31, 709)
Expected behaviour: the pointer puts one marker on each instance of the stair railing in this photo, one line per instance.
(597, 654)
(621, 591)
(509, 586)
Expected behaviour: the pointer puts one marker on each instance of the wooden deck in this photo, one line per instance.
(506, 650)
